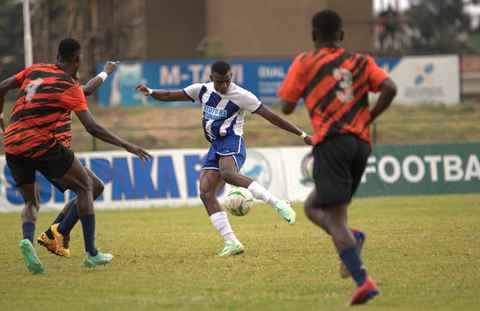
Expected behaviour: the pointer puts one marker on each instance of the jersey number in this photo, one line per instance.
(31, 88)
(345, 78)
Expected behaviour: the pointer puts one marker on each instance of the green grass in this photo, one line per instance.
(423, 252)
(165, 127)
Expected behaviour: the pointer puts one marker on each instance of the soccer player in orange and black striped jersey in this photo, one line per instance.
(68, 217)
(335, 83)
(48, 92)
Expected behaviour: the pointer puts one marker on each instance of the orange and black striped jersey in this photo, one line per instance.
(46, 97)
(334, 83)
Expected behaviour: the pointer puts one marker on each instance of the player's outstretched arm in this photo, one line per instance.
(5, 86)
(98, 131)
(94, 83)
(388, 90)
(283, 123)
(162, 95)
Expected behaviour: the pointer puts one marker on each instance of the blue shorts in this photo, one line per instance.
(225, 146)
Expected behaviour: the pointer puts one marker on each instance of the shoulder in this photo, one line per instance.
(235, 90)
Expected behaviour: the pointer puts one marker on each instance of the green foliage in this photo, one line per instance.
(423, 253)
(443, 26)
(11, 39)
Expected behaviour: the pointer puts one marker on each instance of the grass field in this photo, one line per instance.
(423, 252)
(164, 127)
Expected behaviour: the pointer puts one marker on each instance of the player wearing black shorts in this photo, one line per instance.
(335, 83)
(68, 217)
(47, 92)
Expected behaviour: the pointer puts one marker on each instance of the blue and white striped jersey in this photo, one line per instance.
(223, 114)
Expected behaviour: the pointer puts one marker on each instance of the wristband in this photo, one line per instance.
(150, 91)
(1, 115)
(103, 75)
(303, 135)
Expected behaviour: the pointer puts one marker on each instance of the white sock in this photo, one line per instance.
(259, 192)
(220, 222)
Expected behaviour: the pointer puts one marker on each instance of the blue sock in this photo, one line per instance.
(88, 225)
(351, 258)
(28, 229)
(49, 232)
(69, 222)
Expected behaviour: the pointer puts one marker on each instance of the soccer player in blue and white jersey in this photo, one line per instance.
(224, 104)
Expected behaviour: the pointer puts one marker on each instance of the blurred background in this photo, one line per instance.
(431, 48)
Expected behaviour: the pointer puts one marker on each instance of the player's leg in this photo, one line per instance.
(68, 218)
(31, 198)
(79, 181)
(24, 173)
(229, 167)
(345, 243)
(71, 209)
(314, 210)
(335, 182)
(210, 186)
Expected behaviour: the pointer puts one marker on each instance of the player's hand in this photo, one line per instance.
(142, 154)
(110, 67)
(308, 139)
(142, 88)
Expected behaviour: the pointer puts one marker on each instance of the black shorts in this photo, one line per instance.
(54, 163)
(338, 167)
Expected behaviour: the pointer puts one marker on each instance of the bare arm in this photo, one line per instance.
(5, 86)
(282, 123)
(93, 85)
(98, 131)
(388, 91)
(163, 95)
(287, 107)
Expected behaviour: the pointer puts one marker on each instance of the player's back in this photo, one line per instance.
(47, 92)
(337, 83)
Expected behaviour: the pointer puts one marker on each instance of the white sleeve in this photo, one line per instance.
(192, 91)
(250, 102)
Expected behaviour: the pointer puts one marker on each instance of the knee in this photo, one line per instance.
(29, 212)
(98, 187)
(89, 184)
(206, 196)
(308, 211)
(227, 176)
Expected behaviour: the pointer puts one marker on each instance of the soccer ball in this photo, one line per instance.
(239, 201)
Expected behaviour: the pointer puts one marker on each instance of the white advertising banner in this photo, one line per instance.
(425, 79)
(171, 179)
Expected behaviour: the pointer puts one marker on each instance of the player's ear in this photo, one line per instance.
(342, 34)
(314, 36)
(58, 57)
(211, 78)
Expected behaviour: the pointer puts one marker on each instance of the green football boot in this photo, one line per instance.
(33, 263)
(99, 260)
(284, 208)
(232, 247)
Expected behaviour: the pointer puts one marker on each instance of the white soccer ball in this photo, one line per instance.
(239, 201)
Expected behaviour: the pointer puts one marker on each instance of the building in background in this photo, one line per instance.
(189, 29)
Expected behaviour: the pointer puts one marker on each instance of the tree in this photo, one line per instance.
(441, 26)
(11, 38)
